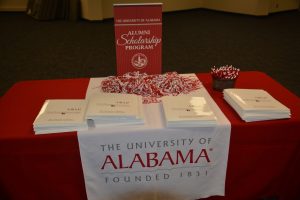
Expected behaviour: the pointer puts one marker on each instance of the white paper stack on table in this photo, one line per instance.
(61, 115)
(255, 105)
(188, 111)
(112, 109)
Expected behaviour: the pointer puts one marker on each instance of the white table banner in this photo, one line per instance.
(155, 162)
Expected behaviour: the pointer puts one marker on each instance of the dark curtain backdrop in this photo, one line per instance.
(54, 9)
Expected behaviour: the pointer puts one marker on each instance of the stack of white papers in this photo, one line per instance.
(111, 109)
(255, 105)
(61, 115)
(187, 111)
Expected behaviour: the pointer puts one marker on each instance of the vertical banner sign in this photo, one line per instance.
(138, 37)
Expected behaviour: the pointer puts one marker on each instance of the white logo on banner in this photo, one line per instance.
(139, 61)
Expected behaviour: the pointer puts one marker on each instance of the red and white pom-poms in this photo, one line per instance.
(150, 86)
(225, 72)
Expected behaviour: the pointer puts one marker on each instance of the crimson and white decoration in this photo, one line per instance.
(138, 37)
(150, 87)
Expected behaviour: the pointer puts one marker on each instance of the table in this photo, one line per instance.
(264, 157)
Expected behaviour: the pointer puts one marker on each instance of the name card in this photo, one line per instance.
(138, 37)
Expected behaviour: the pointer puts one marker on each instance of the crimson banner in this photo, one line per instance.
(138, 37)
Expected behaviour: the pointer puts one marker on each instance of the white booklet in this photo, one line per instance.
(108, 109)
(187, 111)
(255, 99)
(61, 115)
(255, 104)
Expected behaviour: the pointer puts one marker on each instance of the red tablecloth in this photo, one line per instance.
(264, 157)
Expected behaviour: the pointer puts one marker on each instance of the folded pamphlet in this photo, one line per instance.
(61, 115)
(114, 109)
(188, 111)
(255, 104)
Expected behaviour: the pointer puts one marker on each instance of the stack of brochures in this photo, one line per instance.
(61, 115)
(112, 109)
(187, 111)
(255, 105)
